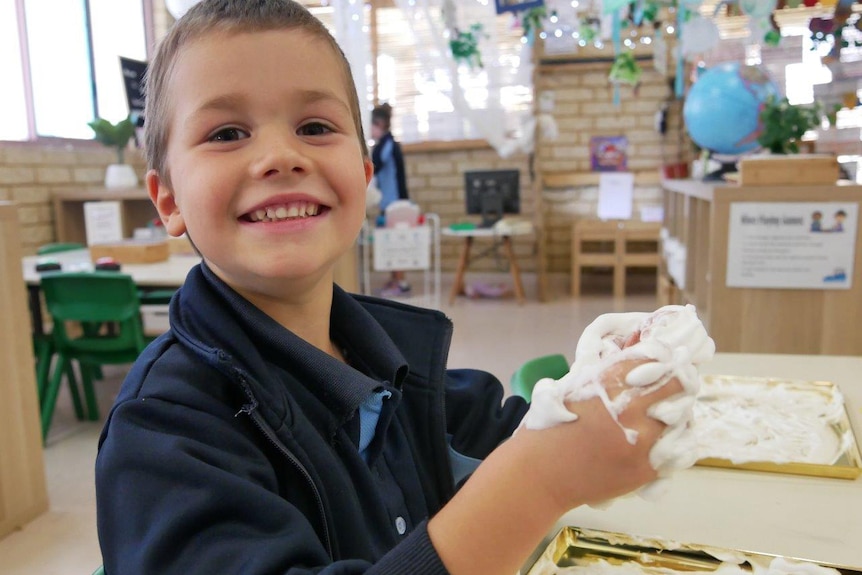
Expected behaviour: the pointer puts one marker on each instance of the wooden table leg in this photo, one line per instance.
(513, 267)
(458, 284)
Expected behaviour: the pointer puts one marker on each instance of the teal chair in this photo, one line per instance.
(554, 366)
(107, 299)
(99, 571)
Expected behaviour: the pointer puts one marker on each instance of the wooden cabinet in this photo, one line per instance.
(137, 210)
(746, 319)
(23, 494)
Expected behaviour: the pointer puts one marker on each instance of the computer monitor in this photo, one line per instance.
(492, 193)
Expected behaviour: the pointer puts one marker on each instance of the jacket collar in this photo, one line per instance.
(235, 336)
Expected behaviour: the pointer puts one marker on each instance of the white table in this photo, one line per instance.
(502, 235)
(170, 273)
(803, 517)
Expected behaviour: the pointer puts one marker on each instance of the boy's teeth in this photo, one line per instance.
(284, 211)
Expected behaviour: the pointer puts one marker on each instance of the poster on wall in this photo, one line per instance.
(608, 153)
(793, 245)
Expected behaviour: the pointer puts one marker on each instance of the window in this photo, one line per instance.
(417, 82)
(13, 108)
(69, 59)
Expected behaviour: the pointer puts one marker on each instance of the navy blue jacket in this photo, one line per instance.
(216, 457)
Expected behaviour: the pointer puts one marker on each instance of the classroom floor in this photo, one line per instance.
(495, 335)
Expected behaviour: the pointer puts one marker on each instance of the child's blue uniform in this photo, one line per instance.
(232, 447)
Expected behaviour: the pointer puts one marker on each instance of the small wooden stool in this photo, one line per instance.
(617, 244)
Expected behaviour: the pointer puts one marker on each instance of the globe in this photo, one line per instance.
(722, 108)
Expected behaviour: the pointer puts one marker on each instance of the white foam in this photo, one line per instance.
(775, 422)
(675, 342)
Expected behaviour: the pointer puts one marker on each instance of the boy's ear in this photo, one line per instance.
(162, 197)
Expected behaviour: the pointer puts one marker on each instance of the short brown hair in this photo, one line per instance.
(226, 16)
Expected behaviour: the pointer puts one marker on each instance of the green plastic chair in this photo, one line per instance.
(42, 347)
(99, 571)
(109, 299)
(56, 247)
(524, 379)
(156, 297)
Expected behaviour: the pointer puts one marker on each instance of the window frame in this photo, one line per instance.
(26, 72)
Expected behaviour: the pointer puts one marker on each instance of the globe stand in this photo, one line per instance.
(727, 167)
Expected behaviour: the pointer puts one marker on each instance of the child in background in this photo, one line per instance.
(391, 179)
(282, 425)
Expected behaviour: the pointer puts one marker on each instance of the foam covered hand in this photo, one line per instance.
(671, 342)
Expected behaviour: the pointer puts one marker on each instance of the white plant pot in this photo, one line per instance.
(120, 176)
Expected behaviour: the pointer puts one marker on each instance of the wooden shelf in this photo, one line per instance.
(755, 320)
(137, 210)
(616, 244)
(23, 495)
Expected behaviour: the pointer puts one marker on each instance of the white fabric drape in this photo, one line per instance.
(351, 33)
(481, 96)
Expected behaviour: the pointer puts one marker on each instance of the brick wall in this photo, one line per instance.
(31, 172)
(435, 181)
(583, 108)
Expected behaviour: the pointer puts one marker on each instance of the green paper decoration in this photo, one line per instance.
(465, 46)
(625, 70)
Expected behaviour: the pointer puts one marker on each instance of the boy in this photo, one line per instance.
(283, 426)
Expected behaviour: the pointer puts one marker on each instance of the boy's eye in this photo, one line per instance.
(315, 129)
(228, 135)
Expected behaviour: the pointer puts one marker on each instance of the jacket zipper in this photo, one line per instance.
(268, 433)
(450, 481)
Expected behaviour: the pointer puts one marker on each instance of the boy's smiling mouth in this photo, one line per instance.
(284, 211)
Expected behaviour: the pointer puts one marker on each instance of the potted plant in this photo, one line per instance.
(784, 124)
(121, 174)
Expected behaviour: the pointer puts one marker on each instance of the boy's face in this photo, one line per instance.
(261, 132)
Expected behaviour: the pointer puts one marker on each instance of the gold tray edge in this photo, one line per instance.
(568, 536)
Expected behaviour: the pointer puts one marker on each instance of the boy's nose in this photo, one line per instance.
(279, 157)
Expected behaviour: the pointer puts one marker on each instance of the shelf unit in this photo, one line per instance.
(617, 244)
(137, 210)
(754, 320)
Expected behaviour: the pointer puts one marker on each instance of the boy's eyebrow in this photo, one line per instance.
(310, 96)
(233, 101)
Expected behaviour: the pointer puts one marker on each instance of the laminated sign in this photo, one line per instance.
(402, 248)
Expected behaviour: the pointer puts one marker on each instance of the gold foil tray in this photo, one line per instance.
(847, 466)
(574, 547)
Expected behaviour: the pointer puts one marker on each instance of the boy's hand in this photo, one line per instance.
(590, 460)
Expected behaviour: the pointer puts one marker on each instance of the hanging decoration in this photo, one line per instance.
(698, 36)
(532, 21)
(831, 30)
(761, 22)
(625, 70)
(464, 45)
